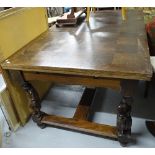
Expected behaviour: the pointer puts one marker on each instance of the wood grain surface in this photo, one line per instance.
(81, 125)
(107, 46)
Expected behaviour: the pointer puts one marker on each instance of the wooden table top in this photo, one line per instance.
(106, 47)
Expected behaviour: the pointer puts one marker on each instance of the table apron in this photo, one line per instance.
(74, 80)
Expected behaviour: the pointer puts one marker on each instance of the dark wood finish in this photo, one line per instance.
(18, 96)
(151, 127)
(124, 121)
(35, 104)
(70, 18)
(81, 125)
(74, 80)
(83, 107)
(107, 47)
(147, 85)
(107, 52)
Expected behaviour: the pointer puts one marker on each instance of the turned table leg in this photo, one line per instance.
(35, 103)
(151, 127)
(124, 121)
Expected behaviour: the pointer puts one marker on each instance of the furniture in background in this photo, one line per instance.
(54, 11)
(150, 124)
(70, 18)
(18, 27)
(6, 106)
(147, 83)
(150, 29)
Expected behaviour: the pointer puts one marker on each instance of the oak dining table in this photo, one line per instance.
(106, 52)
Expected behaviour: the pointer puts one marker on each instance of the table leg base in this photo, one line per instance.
(151, 127)
(124, 138)
(80, 122)
(81, 126)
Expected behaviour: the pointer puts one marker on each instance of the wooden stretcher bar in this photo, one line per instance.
(83, 108)
(80, 122)
(81, 125)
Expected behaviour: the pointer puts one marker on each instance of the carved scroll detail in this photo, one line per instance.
(124, 121)
(35, 103)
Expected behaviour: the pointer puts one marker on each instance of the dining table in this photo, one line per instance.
(105, 52)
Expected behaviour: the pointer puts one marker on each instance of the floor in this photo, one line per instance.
(62, 100)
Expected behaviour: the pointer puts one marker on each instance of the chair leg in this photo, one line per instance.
(147, 85)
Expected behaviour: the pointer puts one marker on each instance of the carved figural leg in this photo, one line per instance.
(124, 121)
(35, 105)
